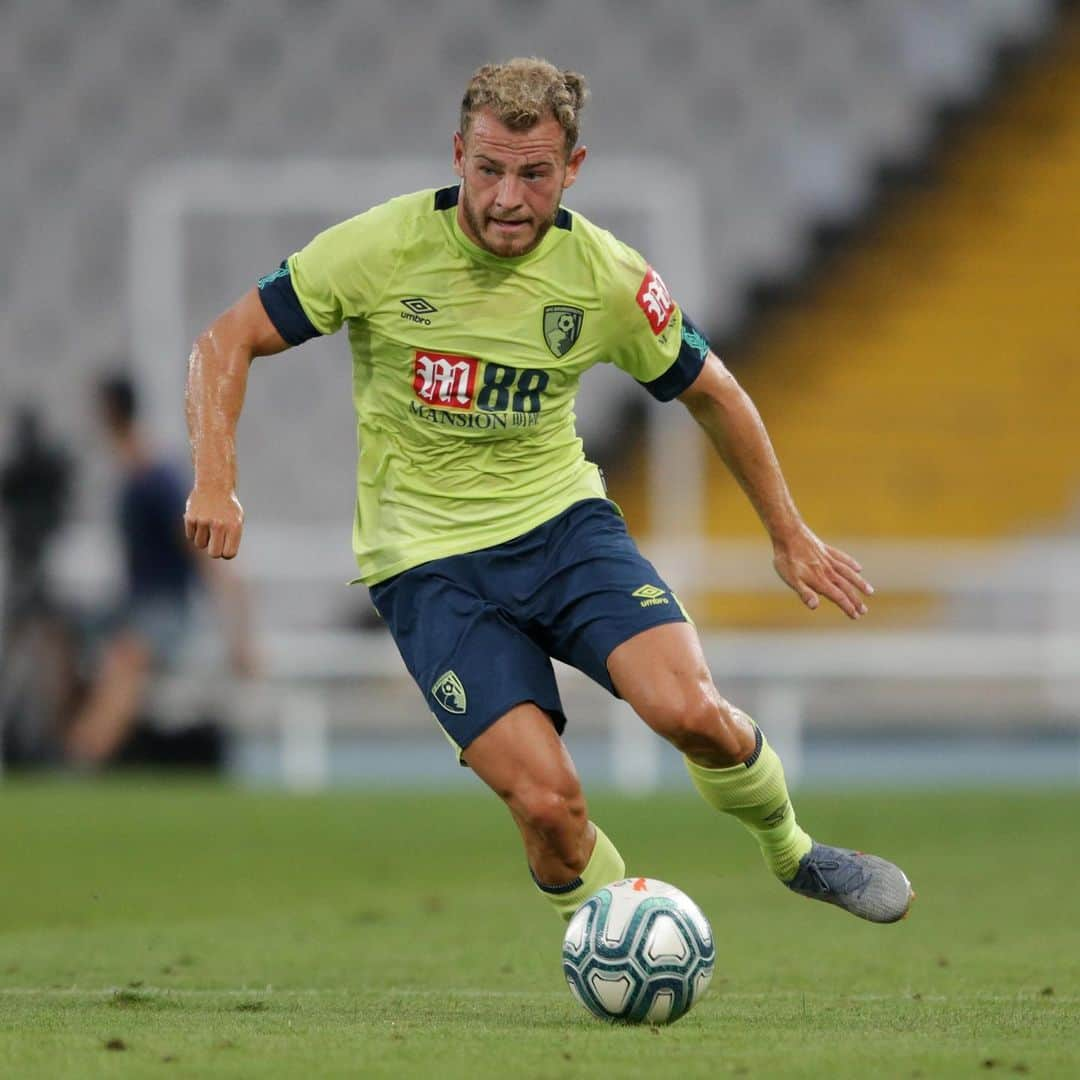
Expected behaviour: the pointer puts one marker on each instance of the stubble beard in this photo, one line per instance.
(513, 248)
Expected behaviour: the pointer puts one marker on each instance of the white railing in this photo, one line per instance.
(784, 670)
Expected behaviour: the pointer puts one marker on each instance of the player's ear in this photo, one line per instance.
(573, 163)
(459, 154)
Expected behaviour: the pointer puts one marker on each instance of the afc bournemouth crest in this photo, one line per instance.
(449, 693)
(562, 327)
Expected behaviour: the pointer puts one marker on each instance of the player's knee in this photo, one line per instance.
(704, 727)
(558, 815)
(679, 713)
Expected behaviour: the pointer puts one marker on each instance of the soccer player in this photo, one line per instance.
(481, 529)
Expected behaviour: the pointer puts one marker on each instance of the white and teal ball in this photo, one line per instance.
(639, 951)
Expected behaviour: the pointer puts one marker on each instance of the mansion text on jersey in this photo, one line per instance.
(472, 420)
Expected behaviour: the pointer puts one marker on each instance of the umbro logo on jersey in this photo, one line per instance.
(418, 309)
(650, 595)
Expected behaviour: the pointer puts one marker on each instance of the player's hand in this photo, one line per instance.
(215, 522)
(814, 569)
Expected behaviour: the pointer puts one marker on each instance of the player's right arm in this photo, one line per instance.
(334, 277)
(216, 384)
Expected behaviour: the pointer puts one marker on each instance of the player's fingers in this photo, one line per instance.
(856, 579)
(202, 534)
(217, 541)
(807, 595)
(842, 595)
(189, 528)
(231, 543)
(843, 556)
(831, 586)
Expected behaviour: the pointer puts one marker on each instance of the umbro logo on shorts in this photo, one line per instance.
(449, 693)
(650, 595)
(418, 309)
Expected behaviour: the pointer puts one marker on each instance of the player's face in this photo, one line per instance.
(512, 182)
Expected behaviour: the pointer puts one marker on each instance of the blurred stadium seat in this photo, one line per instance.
(782, 110)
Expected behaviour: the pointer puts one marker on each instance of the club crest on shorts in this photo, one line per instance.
(449, 693)
(562, 327)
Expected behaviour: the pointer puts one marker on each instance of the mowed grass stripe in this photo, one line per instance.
(256, 934)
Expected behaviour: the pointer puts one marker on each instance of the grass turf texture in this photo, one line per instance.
(157, 929)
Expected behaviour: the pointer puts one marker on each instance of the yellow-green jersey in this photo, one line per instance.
(466, 364)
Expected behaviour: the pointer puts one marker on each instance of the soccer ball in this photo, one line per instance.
(639, 951)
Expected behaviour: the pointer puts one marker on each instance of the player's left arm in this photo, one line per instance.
(808, 565)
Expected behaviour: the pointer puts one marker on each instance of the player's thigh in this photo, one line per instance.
(662, 674)
(472, 665)
(524, 761)
(602, 593)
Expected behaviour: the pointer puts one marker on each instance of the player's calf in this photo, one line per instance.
(755, 792)
(569, 857)
(555, 828)
(702, 725)
(604, 865)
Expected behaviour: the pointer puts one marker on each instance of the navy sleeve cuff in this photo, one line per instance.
(687, 365)
(283, 306)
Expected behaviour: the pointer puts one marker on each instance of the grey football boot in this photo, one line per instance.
(865, 885)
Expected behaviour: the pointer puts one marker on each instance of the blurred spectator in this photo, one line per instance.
(37, 669)
(155, 622)
(35, 484)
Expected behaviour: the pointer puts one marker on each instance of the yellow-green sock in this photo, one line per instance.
(755, 792)
(605, 865)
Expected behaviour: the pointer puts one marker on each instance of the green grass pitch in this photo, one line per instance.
(162, 929)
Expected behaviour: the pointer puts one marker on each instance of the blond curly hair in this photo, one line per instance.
(524, 91)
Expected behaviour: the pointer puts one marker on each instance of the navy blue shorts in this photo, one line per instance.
(478, 631)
